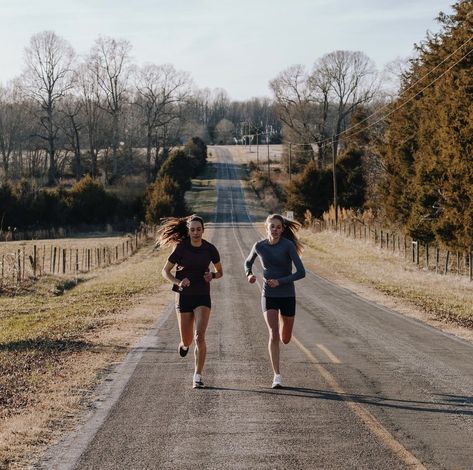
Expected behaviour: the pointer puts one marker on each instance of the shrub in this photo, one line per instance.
(90, 203)
(163, 199)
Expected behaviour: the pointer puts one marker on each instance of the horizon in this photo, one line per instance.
(237, 48)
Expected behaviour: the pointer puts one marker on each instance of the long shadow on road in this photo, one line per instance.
(456, 405)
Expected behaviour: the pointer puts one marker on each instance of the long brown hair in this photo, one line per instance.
(290, 229)
(175, 229)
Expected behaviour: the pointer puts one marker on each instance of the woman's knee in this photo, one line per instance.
(286, 338)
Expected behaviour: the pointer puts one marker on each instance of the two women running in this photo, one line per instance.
(277, 253)
(192, 255)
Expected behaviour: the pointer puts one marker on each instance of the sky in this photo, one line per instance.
(237, 45)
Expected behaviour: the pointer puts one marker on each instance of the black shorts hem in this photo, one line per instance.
(188, 303)
(285, 305)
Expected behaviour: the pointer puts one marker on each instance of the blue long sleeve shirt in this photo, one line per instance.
(277, 261)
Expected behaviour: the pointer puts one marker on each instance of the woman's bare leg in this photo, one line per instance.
(287, 324)
(272, 321)
(202, 315)
(186, 327)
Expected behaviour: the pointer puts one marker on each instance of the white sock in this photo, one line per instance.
(197, 377)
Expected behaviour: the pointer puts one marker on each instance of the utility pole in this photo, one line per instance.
(334, 171)
(290, 157)
(267, 140)
(257, 149)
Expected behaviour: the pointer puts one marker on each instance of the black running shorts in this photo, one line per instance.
(187, 303)
(286, 305)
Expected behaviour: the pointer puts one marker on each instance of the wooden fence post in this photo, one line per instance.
(34, 260)
(18, 274)
(470, 268)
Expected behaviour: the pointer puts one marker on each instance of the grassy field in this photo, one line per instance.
(53, 348)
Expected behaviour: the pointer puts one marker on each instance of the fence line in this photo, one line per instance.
(444, 262)
(38, 259)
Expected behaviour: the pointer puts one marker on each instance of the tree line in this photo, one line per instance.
(25, 206)
(408, 156)
(102, 115)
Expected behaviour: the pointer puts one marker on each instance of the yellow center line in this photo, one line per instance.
(371, 422)
(329, 354)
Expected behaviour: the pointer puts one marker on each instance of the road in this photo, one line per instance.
(366, 388)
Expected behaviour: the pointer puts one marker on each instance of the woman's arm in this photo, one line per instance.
(250, 260)
(166, 273)
(249, 264)
(300, 270)
(217, 274)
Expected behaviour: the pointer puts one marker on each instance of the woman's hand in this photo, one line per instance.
(272, 282)
(208, 276)
(184, 283)
(251, 278)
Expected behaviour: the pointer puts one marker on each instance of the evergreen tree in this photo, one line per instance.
(311, 190)
(429, 144)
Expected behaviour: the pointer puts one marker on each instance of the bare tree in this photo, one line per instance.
(72, 110)
(11, 115)
(89, 95)
(353, 82)
(302, 104)
(225, 131)
(110, 60)
(160, 91)
(47, 78)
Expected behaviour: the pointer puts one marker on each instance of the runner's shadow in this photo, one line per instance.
(455, 405)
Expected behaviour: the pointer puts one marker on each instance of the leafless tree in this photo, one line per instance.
(161, 89)
(89, 95)
(110, 60)
(302, 104)
(47, 78)
(72, 125)
(11, 116)
(353, 82)
(225, 131)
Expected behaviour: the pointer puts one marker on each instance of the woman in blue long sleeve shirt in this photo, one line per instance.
(277, 253)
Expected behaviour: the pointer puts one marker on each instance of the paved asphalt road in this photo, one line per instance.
(366, 388)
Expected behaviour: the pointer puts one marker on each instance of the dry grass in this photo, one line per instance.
(53, 348)
(244, 154)
(16, 257)
(388, 278)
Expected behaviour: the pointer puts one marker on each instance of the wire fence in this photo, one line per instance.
(33, 259)
(426, 256)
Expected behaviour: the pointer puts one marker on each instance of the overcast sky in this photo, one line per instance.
(237, 45)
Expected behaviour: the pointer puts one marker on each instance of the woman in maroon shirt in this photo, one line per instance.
(192, 256)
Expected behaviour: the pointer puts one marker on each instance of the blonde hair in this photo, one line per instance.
(290, 229)
(175, 229)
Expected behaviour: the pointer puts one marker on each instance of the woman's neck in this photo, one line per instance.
(273, 241)
(196, 243)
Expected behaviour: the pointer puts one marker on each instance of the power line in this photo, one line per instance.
(326, 142)
(406, 90)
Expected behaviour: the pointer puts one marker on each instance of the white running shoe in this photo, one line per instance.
(277, 381)
(197, 382)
